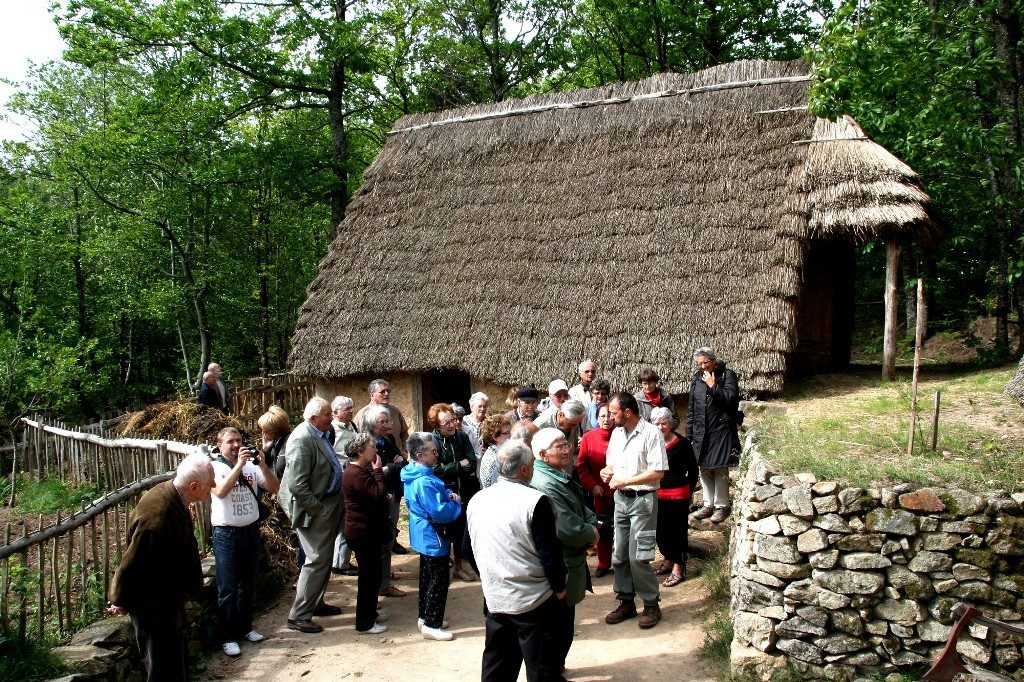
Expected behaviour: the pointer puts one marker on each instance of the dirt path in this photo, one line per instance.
(599, 652)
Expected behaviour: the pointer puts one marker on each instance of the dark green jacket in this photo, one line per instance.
(574, 524)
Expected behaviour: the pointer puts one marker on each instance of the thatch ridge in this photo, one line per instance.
(511, 248)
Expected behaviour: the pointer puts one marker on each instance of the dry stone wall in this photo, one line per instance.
(840, 582)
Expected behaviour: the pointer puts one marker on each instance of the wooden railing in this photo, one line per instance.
(250, 398)
(54, 579)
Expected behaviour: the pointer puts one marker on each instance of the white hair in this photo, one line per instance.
(579, 367)
(373, 415)
(662, 414)
(543, 439)
(314, 407)
(512, 456)
(478, 397)
(572, 408)
(195, 467)
(341, 402)
(705, 352)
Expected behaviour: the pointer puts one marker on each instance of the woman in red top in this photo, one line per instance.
(589, 462)
(674, 498)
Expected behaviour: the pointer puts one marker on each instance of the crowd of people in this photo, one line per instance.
(516, 499)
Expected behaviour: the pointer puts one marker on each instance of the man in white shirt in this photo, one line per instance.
(581, 391)
(636, 464)
(234, 513)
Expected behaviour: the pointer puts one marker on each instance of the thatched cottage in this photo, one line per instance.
(501, 244)
(1015, 389)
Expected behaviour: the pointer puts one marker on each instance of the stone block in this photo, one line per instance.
(798, 499)
(973, 650)
(865, 659)
(940, 542)
(902, 611)
(861, 542)
(877, 627)
(1008, 657)
(813, 614)
(800, 650)
(773, 505)
(849, 582)
(923, 500)
(811, 541)
(827, 559)
(1008, 537)
(853, 500)
(747, 660)
(773, 612)
(930, 562)
(86, 658)
(975, 524)
(973, 591)
(848, 621)
(791, 525)
(932, 630)
(833, 523)
(906, 658)
(902, 631)
(840, 644)
(828, 504)
(769, 525)
(964, 572)
(754, 630)
(893, 521)
(982, 557)
(864, 560)
(944, 586)
(775, 548)
(755, 594)
(829, 487)
(797, 627)
(763, 492)
(106, 633)
(807, 477)
(1009, 583)
(761, 577)
(960, 503)
(761, 470)
(782, 570)
(929, 524)
(941, 609)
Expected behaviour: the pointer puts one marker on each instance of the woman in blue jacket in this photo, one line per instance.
(430, 503)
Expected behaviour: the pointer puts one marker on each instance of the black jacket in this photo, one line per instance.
(711, 419)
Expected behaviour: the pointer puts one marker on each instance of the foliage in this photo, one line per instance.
(29, 661)
(50, 494)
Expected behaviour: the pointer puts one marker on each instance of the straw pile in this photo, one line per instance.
(629, 233)
(179, 420)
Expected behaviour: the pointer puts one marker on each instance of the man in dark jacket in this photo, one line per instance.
(160, 569)
(711, 421)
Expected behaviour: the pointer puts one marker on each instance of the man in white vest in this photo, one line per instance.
(515, 549)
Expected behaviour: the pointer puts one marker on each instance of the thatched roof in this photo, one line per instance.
(1015, 388)
(512, 247)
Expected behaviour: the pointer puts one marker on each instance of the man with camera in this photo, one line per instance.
(239, 472)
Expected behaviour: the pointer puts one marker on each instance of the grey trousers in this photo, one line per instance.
(636, 523)
(317, 542)
(714, 484)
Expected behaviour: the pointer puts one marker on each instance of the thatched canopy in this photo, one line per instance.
(631, 232)
(1015, 388)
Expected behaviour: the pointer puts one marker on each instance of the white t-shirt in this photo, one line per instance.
(238, 508)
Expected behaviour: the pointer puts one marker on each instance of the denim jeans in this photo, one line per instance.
(237, 551)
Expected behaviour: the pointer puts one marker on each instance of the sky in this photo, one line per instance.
(27, 34)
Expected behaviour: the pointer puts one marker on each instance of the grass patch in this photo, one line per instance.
(32, 660)
(854, 428)
(718, 624)
(49, 495)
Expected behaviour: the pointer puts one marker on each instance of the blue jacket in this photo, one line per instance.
(427, 500)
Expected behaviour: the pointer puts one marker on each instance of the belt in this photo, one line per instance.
(634, 493)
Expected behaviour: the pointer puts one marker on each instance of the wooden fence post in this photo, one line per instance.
(892, 261)
(918, 342)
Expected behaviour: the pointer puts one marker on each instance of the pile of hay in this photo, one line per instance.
(179, 420)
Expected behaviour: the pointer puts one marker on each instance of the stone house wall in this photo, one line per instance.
(839, 582)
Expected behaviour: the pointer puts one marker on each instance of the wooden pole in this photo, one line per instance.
(935, 421)
(918, 342)
(892, 262)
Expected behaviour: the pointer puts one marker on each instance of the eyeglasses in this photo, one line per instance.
(449, 422)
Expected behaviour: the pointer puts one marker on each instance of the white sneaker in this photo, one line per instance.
(420, 623)
(382, 615)
(375, 630)
(254, 636)
(436, 633)
(232, 649)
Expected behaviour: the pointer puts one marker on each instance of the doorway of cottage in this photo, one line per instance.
(444, 386)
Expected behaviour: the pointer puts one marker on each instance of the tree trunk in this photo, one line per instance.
(909, 305)
(889, 347)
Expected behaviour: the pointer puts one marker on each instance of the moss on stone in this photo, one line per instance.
(983, 558)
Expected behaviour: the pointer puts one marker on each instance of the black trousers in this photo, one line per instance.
(673, 530)
(535, 637)
(434, 581)
(161, 634)
(367, 553)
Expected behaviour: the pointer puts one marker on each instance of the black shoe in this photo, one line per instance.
(398, 549)
(602, 572)
(327, 610)
(308, 626)
(345, 571)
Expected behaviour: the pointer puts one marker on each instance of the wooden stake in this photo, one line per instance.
(892, 262)
(935, 421)
(918, 342)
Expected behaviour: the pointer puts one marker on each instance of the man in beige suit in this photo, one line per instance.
(311, 496)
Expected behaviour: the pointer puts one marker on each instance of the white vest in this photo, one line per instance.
(512, 576)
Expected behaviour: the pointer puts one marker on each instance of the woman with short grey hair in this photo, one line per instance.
(674, 495)
(471, 423)
(712, 420)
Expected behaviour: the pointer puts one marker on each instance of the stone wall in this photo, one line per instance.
(839, 582)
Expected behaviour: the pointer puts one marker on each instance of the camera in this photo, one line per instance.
(253, 451)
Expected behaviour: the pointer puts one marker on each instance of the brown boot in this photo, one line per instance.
(702, 513)
(626, 609)
(720, 514)
(651, 615)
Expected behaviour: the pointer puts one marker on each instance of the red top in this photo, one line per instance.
(591, 457)
(653, 398)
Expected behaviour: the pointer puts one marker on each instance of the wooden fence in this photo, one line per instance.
(54, 578)
(250, 398)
